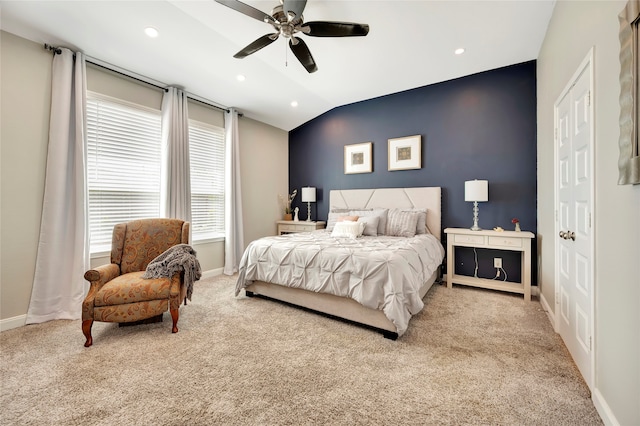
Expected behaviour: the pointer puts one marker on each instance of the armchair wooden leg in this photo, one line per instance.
(86, 330)
(174, 316)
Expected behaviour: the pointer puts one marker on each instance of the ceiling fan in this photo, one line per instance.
(287, 20)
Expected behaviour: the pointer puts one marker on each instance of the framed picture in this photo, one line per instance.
(405, 153)
(357, 158)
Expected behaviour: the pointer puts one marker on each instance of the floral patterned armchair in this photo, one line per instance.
(118, 293)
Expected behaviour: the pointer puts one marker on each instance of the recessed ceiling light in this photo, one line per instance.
(459, 51)
(151, 32)
(240, 77)
(294, 103)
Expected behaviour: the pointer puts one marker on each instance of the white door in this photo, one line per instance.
(574, 193)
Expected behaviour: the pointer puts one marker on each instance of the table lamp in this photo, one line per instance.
(309, 196)
(476, 191)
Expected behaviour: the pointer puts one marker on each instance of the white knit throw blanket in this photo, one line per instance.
(179, 258)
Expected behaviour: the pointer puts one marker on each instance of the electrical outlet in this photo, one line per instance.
(497, 262)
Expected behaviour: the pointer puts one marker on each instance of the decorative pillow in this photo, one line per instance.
(348, 219)
(401, 223)
(339, 210)
(347, 209)
(332, 219)
(333, 216)
(380, 213)
(370, 225)
(421, 227)
(347, 229)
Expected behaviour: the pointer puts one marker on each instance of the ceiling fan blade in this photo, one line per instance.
(300, 49)
(334, 29)
(294, 6)
(263, 41)
(248, 10)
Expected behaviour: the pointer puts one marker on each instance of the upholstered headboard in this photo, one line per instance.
(389, 198)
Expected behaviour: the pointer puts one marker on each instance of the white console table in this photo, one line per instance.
(504, 240)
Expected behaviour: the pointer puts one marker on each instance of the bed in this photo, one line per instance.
(375, 281)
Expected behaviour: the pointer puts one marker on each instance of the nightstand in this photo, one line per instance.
(505, 240)
(291, 227)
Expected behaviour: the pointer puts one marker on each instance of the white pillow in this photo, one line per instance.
(380, 213)
(348, 229)
(370, 225)
(335, 213)
(332, 219)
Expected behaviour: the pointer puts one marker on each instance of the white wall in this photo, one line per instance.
(576, 27)
(24, 115)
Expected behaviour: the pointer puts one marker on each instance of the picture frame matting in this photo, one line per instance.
(357, 158)
(405, 153)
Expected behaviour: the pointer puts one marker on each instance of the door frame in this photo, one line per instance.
(588, 65)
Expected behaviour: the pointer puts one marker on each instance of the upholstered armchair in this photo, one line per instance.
(118, 293)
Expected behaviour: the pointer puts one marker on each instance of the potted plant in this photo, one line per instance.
(516, 222)
(286, 202)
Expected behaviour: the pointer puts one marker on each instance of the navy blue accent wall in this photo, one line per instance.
(481, 126)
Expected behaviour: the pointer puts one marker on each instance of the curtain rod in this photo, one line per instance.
(140, 78)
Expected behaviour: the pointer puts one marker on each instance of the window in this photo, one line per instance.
(123, 166)
(206, 152)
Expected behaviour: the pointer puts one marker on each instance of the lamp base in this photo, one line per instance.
(475, 226)
(308, 211)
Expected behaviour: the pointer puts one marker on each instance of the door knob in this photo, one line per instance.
(571, 235)
(563, 235)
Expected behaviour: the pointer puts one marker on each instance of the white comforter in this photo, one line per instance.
(383, 273)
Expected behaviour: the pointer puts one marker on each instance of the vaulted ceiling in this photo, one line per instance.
(410, 44)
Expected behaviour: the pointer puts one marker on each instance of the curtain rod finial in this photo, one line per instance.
(55, 50)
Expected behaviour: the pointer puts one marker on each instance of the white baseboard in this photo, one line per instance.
(549, 312)
(212, 273)
(13, 322)
(603, 409)
(20, 320)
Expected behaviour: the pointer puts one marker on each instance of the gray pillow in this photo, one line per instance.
(402, 223)
(421, 227)
(339, 210)
(380, 213)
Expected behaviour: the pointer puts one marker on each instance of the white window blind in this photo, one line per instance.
(206, 155)
(123, 166)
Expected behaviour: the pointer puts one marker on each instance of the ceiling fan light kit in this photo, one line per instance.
(287, 20)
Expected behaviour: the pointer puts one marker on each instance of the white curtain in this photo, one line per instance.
(63, 247)
(175, 193)
(234, 234)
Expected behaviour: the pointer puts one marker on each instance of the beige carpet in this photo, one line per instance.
(470, 357)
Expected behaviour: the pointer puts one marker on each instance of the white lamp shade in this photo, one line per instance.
(309, 195)
(475, 190)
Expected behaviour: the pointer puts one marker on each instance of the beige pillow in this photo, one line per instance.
(348, 219)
